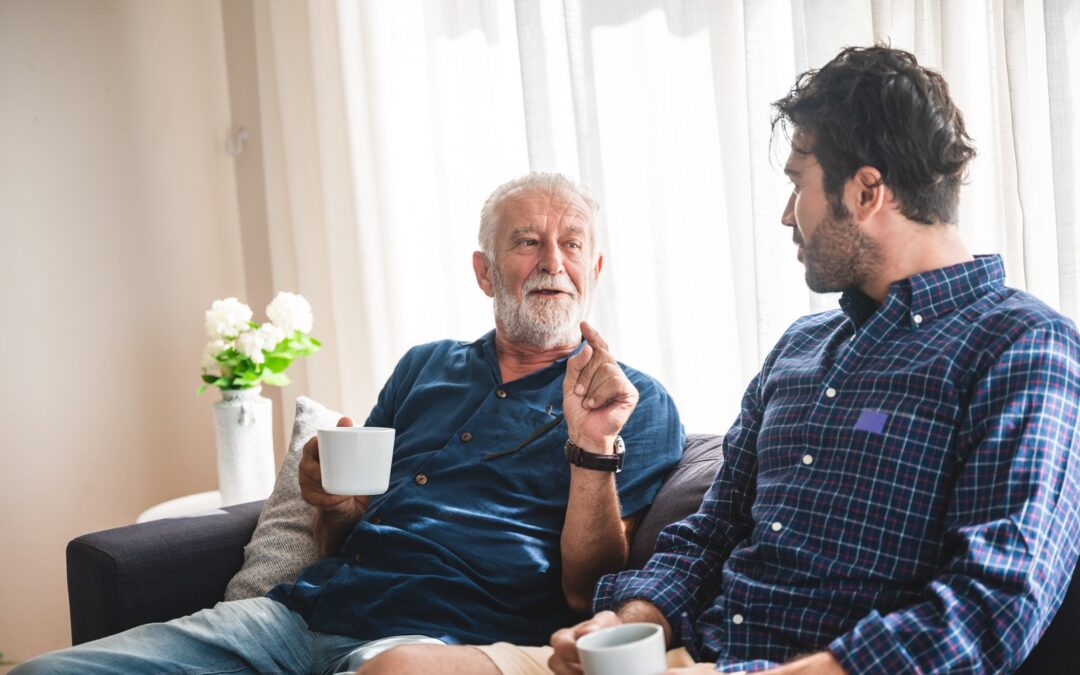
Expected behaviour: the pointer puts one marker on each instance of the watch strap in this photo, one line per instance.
(581, 457)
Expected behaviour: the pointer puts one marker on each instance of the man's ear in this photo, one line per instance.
(482, 268)
(599, 266)
(865, 194)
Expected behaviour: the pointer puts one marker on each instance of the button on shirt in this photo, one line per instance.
(463, 547)
(921, 517)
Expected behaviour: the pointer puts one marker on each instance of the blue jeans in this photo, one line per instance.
(259, 635)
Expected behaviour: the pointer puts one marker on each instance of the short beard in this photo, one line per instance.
(545, 324)
(840, 256)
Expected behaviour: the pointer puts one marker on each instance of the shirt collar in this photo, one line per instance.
(486, 343)
(934, 293)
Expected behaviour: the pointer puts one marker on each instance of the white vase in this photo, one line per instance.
(245, 445)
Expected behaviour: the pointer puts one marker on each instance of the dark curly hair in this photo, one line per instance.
(876, 106)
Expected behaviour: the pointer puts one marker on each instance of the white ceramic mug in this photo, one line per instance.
(356, 460)
(629, 649)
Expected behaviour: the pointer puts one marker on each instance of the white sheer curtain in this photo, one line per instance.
(419, 109)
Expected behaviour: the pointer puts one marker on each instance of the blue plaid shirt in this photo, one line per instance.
(901, 488)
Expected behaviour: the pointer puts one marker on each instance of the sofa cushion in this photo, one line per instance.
(681, 493)
(283, 543)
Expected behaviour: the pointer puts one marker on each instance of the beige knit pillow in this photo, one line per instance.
(282, 544)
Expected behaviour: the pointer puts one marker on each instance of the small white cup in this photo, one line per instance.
(356, 460)
(629, 649)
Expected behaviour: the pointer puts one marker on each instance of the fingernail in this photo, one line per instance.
(579, 389)
(590, 403)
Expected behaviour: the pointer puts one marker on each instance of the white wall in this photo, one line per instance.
(118, 226)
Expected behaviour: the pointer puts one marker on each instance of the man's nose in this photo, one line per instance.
(551, 258)
(788, 217)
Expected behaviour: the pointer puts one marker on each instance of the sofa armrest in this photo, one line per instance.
(154, 571)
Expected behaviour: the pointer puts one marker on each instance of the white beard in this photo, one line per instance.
(542, 321)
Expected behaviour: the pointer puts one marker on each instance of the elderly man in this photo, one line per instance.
(518, 475)
(901, 491)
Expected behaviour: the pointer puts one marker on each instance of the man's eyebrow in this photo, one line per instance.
(574, 230)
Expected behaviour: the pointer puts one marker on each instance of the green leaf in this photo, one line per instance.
(275, 379)
(306, 345)
(209, 379)
(277, 363)
(201, 389)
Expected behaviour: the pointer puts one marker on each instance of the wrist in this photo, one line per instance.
(347, 511)
(642, 611)
(604, 445)
(599, 461)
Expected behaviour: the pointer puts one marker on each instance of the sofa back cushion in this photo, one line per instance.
(681, 493)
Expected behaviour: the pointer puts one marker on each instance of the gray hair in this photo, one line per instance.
(554, 183)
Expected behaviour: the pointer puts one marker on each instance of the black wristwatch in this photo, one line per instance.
(579, 456)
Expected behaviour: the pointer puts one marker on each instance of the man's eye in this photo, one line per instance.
(573, 244)
(528, 242)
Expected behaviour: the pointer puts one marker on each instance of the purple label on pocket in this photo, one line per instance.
(872, 421)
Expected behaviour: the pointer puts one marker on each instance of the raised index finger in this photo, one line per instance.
(590, 334)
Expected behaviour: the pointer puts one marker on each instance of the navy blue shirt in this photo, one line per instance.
(465, 547)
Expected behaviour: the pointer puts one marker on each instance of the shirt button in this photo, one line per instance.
(807, 459)
(777, 526)
(421, 479)
(917, 318)
(830, 392)
(737, 619)
(376, 520)
(465, 437)
(500, 393)
(358, 558)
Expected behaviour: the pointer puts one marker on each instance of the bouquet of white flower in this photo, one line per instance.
(242, 354)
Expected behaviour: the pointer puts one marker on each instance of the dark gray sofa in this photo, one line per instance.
(155, 571)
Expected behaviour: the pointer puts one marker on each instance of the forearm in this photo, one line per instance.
(594, 542)
(986, 609)
(966, 624)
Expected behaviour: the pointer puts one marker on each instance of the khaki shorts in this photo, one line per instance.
(514, 660)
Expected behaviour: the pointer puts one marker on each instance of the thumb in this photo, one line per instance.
(345, 422)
